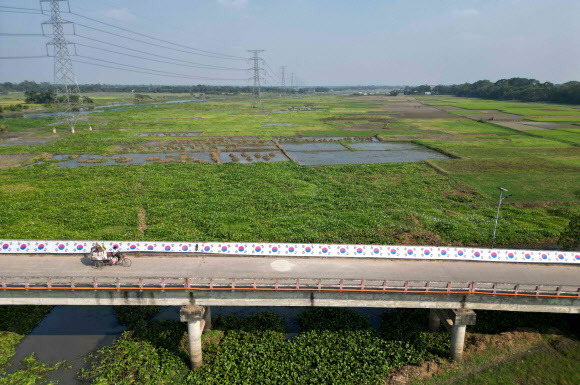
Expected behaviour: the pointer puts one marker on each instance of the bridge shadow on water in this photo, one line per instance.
(288, 313)
(69, 333)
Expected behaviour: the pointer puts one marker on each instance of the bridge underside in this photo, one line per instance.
(289, 298)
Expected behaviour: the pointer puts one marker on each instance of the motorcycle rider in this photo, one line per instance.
(116, 254)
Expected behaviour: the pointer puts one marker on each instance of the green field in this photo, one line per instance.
(448, 201)
(510, 107)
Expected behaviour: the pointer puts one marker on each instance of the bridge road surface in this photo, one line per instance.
(198, 266)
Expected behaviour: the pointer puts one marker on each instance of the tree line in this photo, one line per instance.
(527, 90)
(49, 97)
(200, 88)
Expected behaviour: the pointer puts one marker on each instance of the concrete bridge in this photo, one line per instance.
(451, 289)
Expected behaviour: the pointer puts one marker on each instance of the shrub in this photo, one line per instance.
(409, 325)
(129, 361)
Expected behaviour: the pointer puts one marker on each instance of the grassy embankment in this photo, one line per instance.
(544, 349)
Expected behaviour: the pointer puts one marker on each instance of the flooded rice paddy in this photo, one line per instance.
(306, 151)
(172, 134)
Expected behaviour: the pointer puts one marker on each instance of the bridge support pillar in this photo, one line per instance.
(434, 321)
(457, 342)
(194, 316)
(455, 321)
(207, 319)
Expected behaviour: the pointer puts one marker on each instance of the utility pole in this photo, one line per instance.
(256, 67)
(501, 191)
(292, 80)
(68, 99)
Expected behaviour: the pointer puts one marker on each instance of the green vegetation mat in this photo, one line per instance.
(15, 323)
(374, 204)
(334, 346)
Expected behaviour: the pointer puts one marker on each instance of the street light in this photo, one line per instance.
(501, 190)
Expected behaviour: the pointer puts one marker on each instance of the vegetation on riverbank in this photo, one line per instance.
(15, 323)
(334, 346)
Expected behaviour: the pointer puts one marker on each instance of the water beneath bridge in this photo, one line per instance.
(72, 332)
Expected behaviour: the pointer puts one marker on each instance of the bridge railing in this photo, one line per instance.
(288, 250)
(285, 284)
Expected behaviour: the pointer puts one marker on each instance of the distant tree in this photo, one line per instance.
(43, 97)
(395, 92)
(141, 98)
(530, 90)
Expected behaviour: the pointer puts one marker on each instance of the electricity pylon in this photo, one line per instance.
(256, 67)
(283, 82)
(68, 99)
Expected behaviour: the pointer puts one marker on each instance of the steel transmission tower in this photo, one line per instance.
(68, 99)
(283, 82)
(256, 67)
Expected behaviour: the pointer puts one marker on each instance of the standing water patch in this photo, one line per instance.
(172, 134)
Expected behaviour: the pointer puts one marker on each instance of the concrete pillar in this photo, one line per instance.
(434, 320)
(207, 319)
(457, 341)
(194, 315)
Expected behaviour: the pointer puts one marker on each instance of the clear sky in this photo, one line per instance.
(325, 42)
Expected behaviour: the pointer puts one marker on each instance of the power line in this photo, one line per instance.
(142, 72)
(24, 57)
(25, 12)
(23, 34)
(160, 61)
(209, 66)
(214, 54)
(152, 70)
(27, 9)
(145, 42)
(271, 70)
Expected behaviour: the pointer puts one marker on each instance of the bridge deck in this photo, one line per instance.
(271, 267)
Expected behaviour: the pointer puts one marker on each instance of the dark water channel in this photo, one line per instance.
(72, 332)
(69, 333)
(117, 107)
